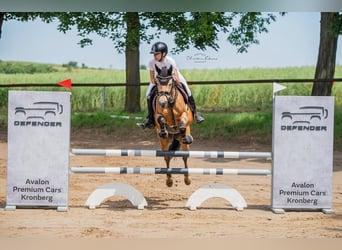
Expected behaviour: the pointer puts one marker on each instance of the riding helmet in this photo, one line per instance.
(159, 47)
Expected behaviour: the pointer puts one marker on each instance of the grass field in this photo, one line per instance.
(237, 97)
(231, 109)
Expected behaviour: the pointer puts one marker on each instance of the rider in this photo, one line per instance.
(159, 50)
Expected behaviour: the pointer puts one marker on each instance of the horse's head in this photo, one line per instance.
(165, 83)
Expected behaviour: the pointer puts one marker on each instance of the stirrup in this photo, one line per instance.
(199, 118)
(146, 124)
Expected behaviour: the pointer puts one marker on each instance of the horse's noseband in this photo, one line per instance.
(164, 79)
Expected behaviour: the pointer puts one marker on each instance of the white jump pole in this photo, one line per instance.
(158, 153)
(140, 170)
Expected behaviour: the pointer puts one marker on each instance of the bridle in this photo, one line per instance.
(171, 100)
(168, 94)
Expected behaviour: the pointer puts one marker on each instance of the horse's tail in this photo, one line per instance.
(175, 145)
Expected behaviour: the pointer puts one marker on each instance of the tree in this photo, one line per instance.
(127, 29)
(23, 17)
(197, 29)
(1, 21)
(132, 101)
(331, 27)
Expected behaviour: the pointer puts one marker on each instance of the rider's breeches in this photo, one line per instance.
(150, 86)
(185, 85)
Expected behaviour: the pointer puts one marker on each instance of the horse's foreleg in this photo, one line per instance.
(185, 130)
(162, 123)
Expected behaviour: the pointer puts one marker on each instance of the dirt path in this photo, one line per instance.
(166, 215)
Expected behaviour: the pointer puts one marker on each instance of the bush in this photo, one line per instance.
(70, 65)
(24, 68)
(3, 97)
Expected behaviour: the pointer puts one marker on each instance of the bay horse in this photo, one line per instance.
(172, 117)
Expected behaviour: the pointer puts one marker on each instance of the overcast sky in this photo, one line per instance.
(292, 40)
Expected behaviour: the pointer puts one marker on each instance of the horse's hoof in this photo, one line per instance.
(187, 139)
(169, 182)
(187, 180)
(163, 135)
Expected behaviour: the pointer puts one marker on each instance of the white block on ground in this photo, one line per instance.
(219, 191)
(116, 189)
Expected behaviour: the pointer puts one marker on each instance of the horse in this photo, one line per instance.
(172, 118)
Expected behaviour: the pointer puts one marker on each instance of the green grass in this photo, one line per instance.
(236, 97)
(224, 125)
(241, 126)
(244, 126)
(230, 110)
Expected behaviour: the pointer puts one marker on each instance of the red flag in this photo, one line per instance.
(66, 83)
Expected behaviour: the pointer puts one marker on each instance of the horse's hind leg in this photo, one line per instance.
(173, 147)
(186, 140)
(187, 180)
(164, 143)
(169, 181)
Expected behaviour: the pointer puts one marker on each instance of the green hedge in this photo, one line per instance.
(24, 68)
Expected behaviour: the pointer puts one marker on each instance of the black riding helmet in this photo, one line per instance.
(159, 47)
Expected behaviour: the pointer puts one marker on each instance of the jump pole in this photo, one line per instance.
(160, 153)
(195, 200)
(140, 170)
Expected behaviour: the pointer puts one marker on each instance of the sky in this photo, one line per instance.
(292, 41)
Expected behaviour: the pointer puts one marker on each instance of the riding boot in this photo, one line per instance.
(197, 115)
(149, 122)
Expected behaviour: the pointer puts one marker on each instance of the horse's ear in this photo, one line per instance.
(157, 69)
(170, 71)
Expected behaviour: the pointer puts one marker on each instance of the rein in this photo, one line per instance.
(171, 100)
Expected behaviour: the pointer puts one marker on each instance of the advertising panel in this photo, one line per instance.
(303, 130)
(38, 149)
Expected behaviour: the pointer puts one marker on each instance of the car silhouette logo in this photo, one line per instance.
(306, 114)
(40, 110)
